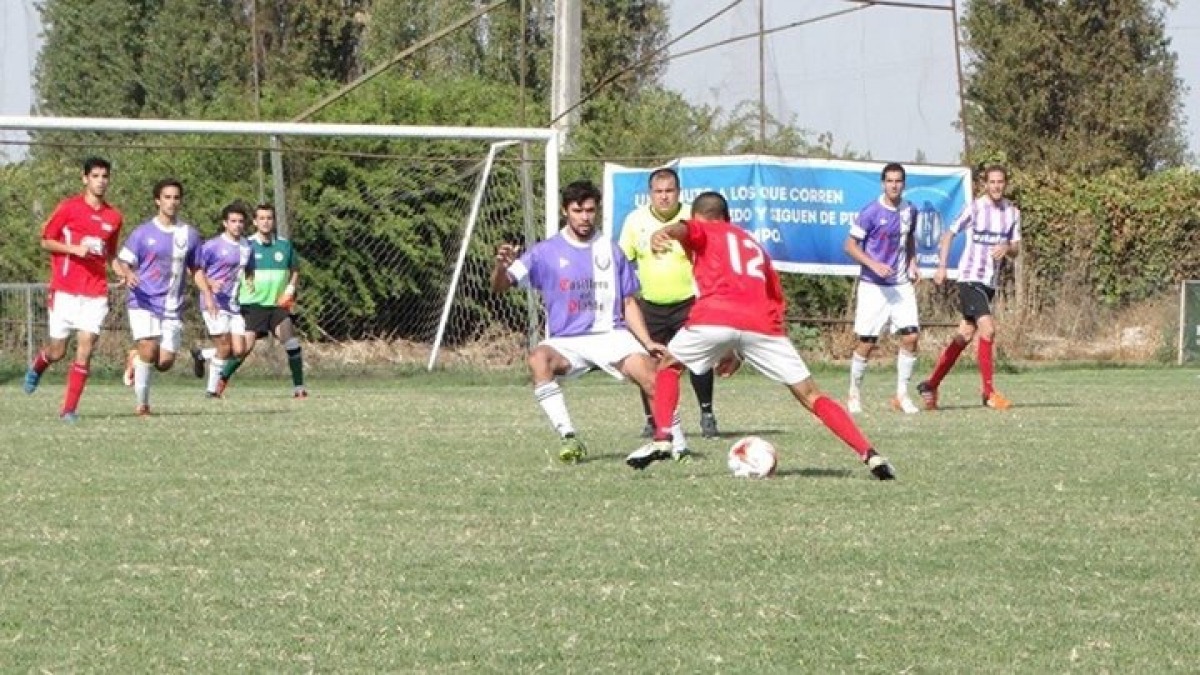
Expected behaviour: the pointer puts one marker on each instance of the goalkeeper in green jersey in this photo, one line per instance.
(267, 306)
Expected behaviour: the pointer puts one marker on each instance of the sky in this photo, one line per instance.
(881, 80)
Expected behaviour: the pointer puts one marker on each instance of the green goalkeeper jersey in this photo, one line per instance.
(273, 265)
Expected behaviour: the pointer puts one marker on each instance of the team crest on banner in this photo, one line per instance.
(801, 210)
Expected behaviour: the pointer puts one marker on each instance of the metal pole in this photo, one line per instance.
(962, 97)
(566, 75)
(277, 179)
(762, 77)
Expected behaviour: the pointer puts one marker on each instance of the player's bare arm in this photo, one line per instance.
(125, 273)
(910, 247)
(660, 241)
(853, 248)
(77, 250)
(637, 326)
(206, 292)
(939, 277)
(1007, 249)
(506, 254)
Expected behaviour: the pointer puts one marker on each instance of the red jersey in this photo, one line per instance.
(738, 286)
(77, 222)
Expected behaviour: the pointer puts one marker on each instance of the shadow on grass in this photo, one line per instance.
(812, 472)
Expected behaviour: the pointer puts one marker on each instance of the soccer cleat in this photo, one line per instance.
(572, 450)
(853, 403)
(31, 381)
(69, 417)
(142, 410)
(648, 430)
(996, 401)
(211, 394)
(649, 454)
(299, 392)
(928, 395)
(905, 405)
(880, 468)
(197, 362)
(681, 456)
(127, 378)
(708, 425)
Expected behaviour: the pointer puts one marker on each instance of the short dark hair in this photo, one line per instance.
(166, 183)
(890, 167)
(664, 172)
(579, 192)
(96, 163)
(711, 206)
(264, 207)
(234, 207)
(992, 168)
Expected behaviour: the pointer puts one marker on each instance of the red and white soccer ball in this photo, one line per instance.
(752, 457)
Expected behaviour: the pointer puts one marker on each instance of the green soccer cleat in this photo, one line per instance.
(572, 450)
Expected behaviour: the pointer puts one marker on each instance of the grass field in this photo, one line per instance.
(416, 524)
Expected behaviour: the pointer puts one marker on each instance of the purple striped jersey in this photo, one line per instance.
(882, 230)
(986, 223)
(583, 284)
(162, 258)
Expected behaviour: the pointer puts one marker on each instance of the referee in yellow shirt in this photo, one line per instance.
(668, 288)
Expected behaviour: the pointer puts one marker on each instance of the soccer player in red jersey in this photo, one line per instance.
(81, 236)
(740, 306)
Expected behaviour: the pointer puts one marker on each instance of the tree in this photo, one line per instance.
(1074, 85)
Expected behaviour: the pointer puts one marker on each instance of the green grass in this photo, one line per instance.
(417, 524)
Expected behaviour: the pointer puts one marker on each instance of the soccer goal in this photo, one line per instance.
(1189, 322)
(396, 226)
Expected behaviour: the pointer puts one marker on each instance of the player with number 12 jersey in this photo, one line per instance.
(740, 307)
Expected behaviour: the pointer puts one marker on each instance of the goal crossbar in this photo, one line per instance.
(550, 137)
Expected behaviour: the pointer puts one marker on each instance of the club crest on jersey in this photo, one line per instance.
(278, 256)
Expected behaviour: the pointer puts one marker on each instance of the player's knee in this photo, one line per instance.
(292, 344)
(868, 339)
(908, 330)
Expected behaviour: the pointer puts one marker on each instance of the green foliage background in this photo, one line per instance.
(1083, 103)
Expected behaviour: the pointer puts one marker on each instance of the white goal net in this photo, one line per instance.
(395, 226)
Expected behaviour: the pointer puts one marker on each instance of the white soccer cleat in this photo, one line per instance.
(905, 405)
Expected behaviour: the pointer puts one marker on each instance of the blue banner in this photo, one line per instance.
(801, 210)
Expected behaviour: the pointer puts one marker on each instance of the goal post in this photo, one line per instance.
(395, 225)
(1189, 322)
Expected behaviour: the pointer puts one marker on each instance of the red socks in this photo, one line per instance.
(841, 424)
(666, 399)
(986, 367)
(40, 362)
(946, 360)
(76, 380)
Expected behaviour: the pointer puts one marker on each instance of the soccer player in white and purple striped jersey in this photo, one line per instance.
(882, 240)
(152, 264)
(589, 289)
(993, 227)
(228, 264)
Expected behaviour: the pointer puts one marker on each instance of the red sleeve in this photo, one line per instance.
(116, 235)
(695, 239)
(52, 230)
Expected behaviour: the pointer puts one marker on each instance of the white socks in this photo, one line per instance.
(550, 397)
(906, 362)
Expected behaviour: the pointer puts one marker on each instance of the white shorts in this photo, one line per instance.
(145, 326)
(603, 351)
(70, 312)
(225, 323)
(701, 347)
(880, 305)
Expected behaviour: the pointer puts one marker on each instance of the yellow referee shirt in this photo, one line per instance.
(666, 278)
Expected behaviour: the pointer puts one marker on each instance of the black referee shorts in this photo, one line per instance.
(664, 321)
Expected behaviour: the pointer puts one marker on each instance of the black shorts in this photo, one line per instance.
(975, 299)
(262, 321)
(664, 321)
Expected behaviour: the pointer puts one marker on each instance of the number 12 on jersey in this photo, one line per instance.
(753, 263)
